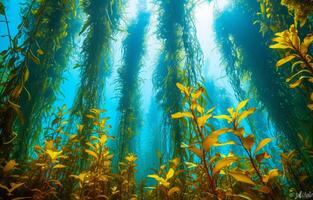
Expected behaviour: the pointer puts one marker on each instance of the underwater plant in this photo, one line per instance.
(301, 9)
(99, 27)
(178, 62)
(129, 83)
(298, 54)
(35, 69)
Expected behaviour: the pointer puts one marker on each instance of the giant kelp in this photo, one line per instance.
(258, 62)
(177, 59)
(129, 83)
(35, 68)
(102, 19)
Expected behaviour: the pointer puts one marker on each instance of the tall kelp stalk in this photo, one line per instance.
(129, 83)
(285, 110)
(179, 61)
(102, 20)
(36, 67)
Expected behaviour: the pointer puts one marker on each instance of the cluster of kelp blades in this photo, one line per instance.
(218, 176)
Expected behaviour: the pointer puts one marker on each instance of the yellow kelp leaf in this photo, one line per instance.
(159, 179)
(90, 116)
(295, 84)
(92, 153)
(155, 176)
(285, 60)
(96, 110)
(202, 120)
(262, 144)
(310, 106)
(173, 190)
(103, 139)
(80, 177)
(131, 157)
(183, 89)
(241, 105)
(248, 141)
(196, 151)
(306, 43)
(53, 154)
(200, 109)
(9, 166)
(241, 177)
(223, 163)
(224, 143)
(197, 93)
(245, 114)
(212, 139)
(58, 166)
(231, 112)
(209, 141)
(210, 110)
(228, 118)
(279, 46)
(271, 174)
(222, 131)
(181, 114)
(295, 40)
(170, 174)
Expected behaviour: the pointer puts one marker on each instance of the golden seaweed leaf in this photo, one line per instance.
(196, 151)
(170, 174)
(53, 154)
(245, 114)
(183, 89)
(285, 60)
(131, 158)
(197, 93)
(241, 105)
(271, 174)
(202, 120)
(229, 119)
(92, 153)
(224, 162)
(58, 166)
(238, 176)
(9, 166)
(181, 114)
(212, 139)
(262, 144)
(161, 180)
